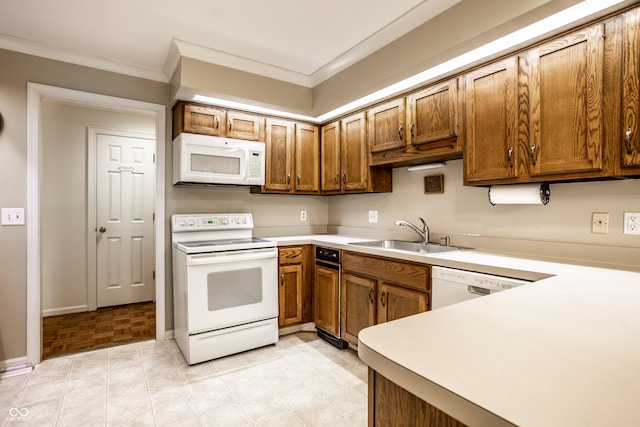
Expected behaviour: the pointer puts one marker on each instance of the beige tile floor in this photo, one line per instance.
(301, 381)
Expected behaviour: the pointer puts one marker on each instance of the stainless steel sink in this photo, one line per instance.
(403, 245)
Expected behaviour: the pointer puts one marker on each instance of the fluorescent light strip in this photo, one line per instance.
(546, 25)
(252, 108)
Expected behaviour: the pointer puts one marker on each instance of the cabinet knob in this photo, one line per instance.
(336, 179)
(400, 133)
(288, 178)
(282, 280)
(411, 129)
(344, 177)
(533, 154)
(102, 229)
(510, 156)
(371, 296)
(382, 299)
(298, 179)
(627, 141)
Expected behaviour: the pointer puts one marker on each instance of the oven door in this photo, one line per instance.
(231, 288)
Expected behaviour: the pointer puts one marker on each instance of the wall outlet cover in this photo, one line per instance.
(631, 223)
(373, 216)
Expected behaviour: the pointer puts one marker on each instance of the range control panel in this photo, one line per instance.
(210, 222)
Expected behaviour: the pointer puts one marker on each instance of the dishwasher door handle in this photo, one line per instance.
(478, 290)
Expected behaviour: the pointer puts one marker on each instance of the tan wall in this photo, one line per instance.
(63, 198)
(17, 70)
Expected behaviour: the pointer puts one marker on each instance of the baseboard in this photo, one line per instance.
(10, 363)
(305, 327)
(65, 310)
(169, 335)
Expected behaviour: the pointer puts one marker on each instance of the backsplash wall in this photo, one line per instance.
(463, 212)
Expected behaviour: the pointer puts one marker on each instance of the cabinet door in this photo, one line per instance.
(200, 119)
(354, 153)
(565, 125)
(396, 302)
(433, 113)
(491, 122)
(290, 295)
(279, 155)
(330, 157)
(358, 305)
(327, 282)
(307, 161)
(243, 126)
(631, 89)
(386, 126)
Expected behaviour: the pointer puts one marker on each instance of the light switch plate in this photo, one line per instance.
(373, 216)
(12, 216)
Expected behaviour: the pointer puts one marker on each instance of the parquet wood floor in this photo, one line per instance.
(70, 333)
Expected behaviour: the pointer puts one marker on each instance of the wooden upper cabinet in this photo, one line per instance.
(386, 126)
(244, 126)
(330, 157)
(195, 118)
(354, 154)
(307, 160)
(566, 132)
(432, 113)
(492, 122)
(279, 136)
(631, 89)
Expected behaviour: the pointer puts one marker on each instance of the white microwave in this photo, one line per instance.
(212, 160)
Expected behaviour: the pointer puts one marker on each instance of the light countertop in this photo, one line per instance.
(563, 351)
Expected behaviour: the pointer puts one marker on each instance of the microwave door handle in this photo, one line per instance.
(224, 257)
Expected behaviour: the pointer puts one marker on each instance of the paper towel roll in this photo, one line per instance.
(519, 194)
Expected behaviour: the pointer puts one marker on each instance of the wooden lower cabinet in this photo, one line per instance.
(378, 289)
(358, 305)
(392, 406)
(396, 302)
(295, 285)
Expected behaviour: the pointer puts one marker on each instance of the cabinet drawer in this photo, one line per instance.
(291, 255)
(402, 273)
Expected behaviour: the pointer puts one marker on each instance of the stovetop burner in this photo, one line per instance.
(223, 245)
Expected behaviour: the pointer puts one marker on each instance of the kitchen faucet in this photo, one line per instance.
(424, 233)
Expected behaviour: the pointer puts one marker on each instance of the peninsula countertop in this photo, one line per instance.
(562, 351)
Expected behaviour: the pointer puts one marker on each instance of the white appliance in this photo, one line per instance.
(450, 286)
(212, 160)
(225, 286)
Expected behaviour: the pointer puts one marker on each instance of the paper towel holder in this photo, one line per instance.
(545, 194)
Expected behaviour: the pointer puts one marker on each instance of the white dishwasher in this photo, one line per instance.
(451, 286)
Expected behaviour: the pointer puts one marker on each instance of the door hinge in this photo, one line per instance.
(154, 157)
(154, 217)
(154, 275)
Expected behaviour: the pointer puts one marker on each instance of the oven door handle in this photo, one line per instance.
(223, 257)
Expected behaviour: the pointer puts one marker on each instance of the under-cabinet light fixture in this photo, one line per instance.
(551, 23)
(425, 167)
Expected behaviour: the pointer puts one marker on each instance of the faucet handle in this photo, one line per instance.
(424, 224)
(447, 240)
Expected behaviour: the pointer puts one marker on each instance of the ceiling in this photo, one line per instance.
(300, 41)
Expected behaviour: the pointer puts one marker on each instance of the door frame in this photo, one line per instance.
(92, 199)
(36, 93)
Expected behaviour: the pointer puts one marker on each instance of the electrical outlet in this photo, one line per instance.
(631, 223)
(373, 216)
(303, 215)
(600, 222)
(12, 216)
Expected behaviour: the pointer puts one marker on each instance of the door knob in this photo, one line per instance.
(102, 229)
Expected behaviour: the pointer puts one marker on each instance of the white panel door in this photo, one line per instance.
(124, 218)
